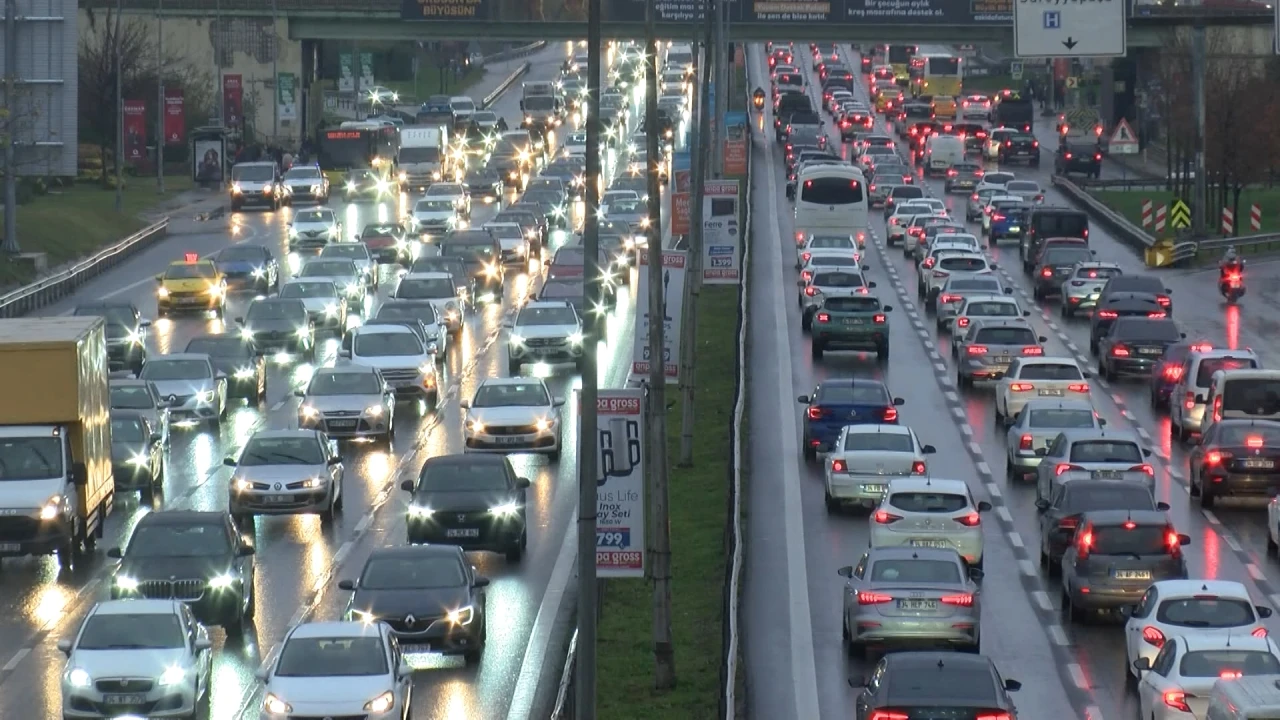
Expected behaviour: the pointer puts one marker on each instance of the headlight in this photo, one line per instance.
(222, 582)
(308, 411)
(236, 189)
(330, 310)
(505, 510)
(172, 676)
(244, 373)
(162, 292)
(205, 396)
(461, 616)
(241, 484)
(351, 187)
(246, 333)
(517, 340)
(373, 411)
(293, 232)
(126, 583)
(52, 508)
(381, 704)
(138, 460)
(354, 288)
(79, 677)
(273, 705)
(576, 338)
(303, 332)
(404, 176)
(476, 426)
(259, 273)
(421, 511)
(134, 338)
(542, 425)
(215, 290)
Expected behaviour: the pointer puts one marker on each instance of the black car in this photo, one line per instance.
(474, 501)
(918, 684)
(552, 204)
(363, 185)
(198, 558)
(455, 266)
(248, 267)
(529, 216)
(1236, 457)
(137, 454)
(236, 357)
(1134, 345)
(1118, 305)
(1060, 515)
(430, 596)
(126, 332)
(278, 325)
(1054, 267)
(1148, 284)
(485, 183)
(1078, 158)
(482, 255)
(1115, 556)
(1020, 147)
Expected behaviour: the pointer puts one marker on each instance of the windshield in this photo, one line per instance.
(387, 345)
(298, 289)
(445, 206)
(858, 394)
(976, 286)
(493, 395)
(161, 369)
(1250, 434)
(547, 316)
(1209, 366)
(469, 253)
(1061, 418)
(831, 241)
(422, 312)
(149, 631)
(303, 173)
(282, 451)
(1228, 663)
(929, 502)
(260, 311)
(1097, 273)
(412, 573)
(228, 346)
(1205, 611)
(463, 104)
(454, 477)
(131, 397)
(128, 430)
(962, 264)
(1253, 396)
(1045, 371)
(907, 192)
(347, 251)
(174, 540)
(1105, 451)
(1143, 329)
(852, 304)
(243, 253)
(628, 207)
(30, 458)
(332, 657)
(1006, 336)
(344, 383)
(313, 216)
(425, 288)
(328, 268)
(1022, 186)
(191, 271)
(837, 279)
(992, 309)
(539, 102)
(915, 571)
(506, 232)
(253, 173)
(1066, 256)
(878, 442)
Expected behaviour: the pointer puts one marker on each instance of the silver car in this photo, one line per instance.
(441, 290)
(434, 333)
(896, 222)
(911, 597)
(344, 274)
(1029, 190)
(515, 246)
(947, 268)
(512, 415)
(357, 253)
(406, 364)
(841, 281)
(326, 307)
(1037, 425)
(141, 397)
(1197, 371)
(285, 472)
(863, 460)
(1096, 453)
(989, 347)
(633, 212)
(314, 228)
(349, 401)
(878, 192)
(545, 331)
(958, 289)
(1081, 289)
(979, 199)
(196, 392)
(977, 307)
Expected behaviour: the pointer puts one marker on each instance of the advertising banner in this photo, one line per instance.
(346, 73)
(682, 203)
(207, 161)
(620, 518)
(721, 236)
(444, 9)
(366, 72)
(286, 96)
(135, 131)
(815, 13)
(674, 264)
(736, 144)
(233, 101)
(175, 116)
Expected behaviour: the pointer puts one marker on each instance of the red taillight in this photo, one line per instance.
(1033, 350)
(806, 276)
(1171, 540)
(1078, 387)
(810, 291)
(1085, 545)
(890, 414)
(1098, 157)
(973, 519)
(1253, 441)
(1062, 468)
(928, 262)
(1164, 300)
(974, 197)
(997, 715)
(949, 299)
(1202, 347)
(824, 317)
(918, 467)
(1069, 523)
(885, 518)
(912, 131)
(961, 600)
(952, 173)
(1024, 442)
(1157, 315)
(1216, 457)
(996, 217)
(981, 134)
(1259, 632)
(817, 412)
(1152, 636)
(1172, 373)
(1035, 143)
(1144, 468)
(879, 319)
(1022, 387)
(1068, 156)
(1108, 314)
(838, 466)
(888, 715)
(962, 322)
(1008, 143)
(1120, 351)
(977, 350)
(804, 257)
(1047, 272)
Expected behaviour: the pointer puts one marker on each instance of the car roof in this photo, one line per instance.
(183, 517)
(1075, 435)
(1049, 360)
(903, 552)
(877, 429)
(926, 484)
(285, 434)
(547, 304)
(1169, 589)
(432, 275)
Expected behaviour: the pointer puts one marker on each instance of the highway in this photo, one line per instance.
(298, 562)
(796, 666)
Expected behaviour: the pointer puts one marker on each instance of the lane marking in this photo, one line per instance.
(1057, 634)
(1078, 676)
(1042, 599)
(535, 653)
(15, 660)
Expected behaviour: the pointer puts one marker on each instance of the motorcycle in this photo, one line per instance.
(1231, 284)
(758, 101)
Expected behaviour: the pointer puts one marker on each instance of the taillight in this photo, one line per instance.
(1108, 314)
(838, 466)
(1078, 387)
(885, 518)
(1171, 540)
(1164, 300)
(1216, 457)
(997, 715)
(890, 414)
(1068, 156)
(962, 322)
(961, 600)
(1047, 272)
(976, 349)
(1157, 315)
(928, 262)
(879, 319)
(996, 217)
(1069, 523)
(1024, 442)
(1120, 351)
(1022, 387)
(1152, 636)
(1033, 350)
(952, 173)
(1085, 545)
(810, 291)
(1008, 143)
(949, 299)
(1144, 468)
(1098, 157)
(1062, 468)
(918, 467)
(1173, 373)
(889, 715)
(806, 275)
(973, 519)
(1253, 442)
(817, 412)
(974, 197)
(805, 256)
(1259, 632)
(824, 317)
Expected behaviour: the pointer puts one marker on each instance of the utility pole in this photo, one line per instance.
(718, 42)
(659, 535)
(119, 113)
(588, 433)
(10, 123)
(275, 73)
(357, 70)
(693, 281)
(218, 92)
(160, 108)
(1200, 203)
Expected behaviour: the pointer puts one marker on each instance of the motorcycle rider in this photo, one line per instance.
(758, 97)
(1231, 262)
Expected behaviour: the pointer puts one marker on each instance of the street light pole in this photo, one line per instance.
(119, 113)
(160, 108)
(10, 169)
(275, 72)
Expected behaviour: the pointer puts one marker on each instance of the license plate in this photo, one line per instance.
(1051, 393)
(873, 488)
(124, 699)
(1015, 228)
(415, 649)
(1151, 351)
(917, 604)
(930, 544)
(277, 498)
(1131, 574)
(1259, 463)
(1106, 474)
(342, 423)
(462, 532)
(10, 547)
(508, 440)
(853, 321)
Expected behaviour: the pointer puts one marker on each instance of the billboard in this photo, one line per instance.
(761, 12)
(620, 520)
(721, 235)
(43, 108)
(175, 116)
(135, 132)
(674, 266)
(233, 101)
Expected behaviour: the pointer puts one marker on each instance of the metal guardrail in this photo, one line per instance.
(1211, 250)
(1153, 184)
(564, 708)
(492, 97)
(1128, 233)
(59, 285)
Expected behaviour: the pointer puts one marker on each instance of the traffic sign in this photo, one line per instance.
(1015, 70)
(1123, 140)
(1180, 215)
(1049, 28)
(1073, 82)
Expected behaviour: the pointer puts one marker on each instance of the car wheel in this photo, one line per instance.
(1207, 496)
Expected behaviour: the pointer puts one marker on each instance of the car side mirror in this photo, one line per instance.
(247, 551)
(1043, 339)
(984, 506)
(144, 323)
(404, 671)
(239, 320)
(230, 462)
(220, 375)
(845, 572)
(803, 399)
(79, 475)
(1184, 539)
(899, 402)
(160, 279)
(1168, 291)
(994, 266)
(1146, 452)
(1162, 506)
(1025, 313)
(156, 437)
(1009, 291)
(1041, 452)
(1263, 611)
(928, 450)
(1086, 375)
(335, 460)
(346, 584)
(523, 482)
(866, 268)
(858, 683)
(871, 284)
(1012, 685)
(299, 393)
(345, 354)
(1102, 422)
(976, 573)
(1142, 664)
(64, 646)
(480, 581)
(407, 486)
(115, 553)
(464, 404)
(557, 402)
(1042, 505)
(887, 308)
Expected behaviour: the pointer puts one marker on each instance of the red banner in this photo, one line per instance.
(135, 131)
(735, 157)
(681, 203)
(175, 121)
(232, 101)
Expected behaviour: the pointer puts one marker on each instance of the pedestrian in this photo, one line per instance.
(286, 161)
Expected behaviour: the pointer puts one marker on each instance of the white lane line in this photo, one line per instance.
(984, 468)
(994, 491)
(1255, 572)
(1232, 543)
(342, 553)
(1093, 712)
(957, 413)
(1042, 599)
(15, 660)
(940, 367)
(951, 396)
(535, 653)
(1213, 519)
(1058, 635)
(974, 447)
(1077, 676)
(966, 430)
(279, 404)
(363, 524)
(1027, 568)
(1005, 515)
(1015, 540)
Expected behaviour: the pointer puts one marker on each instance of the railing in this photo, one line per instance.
(1125, 231)
(564, 708)
(1211, 250)
(59, 285)
(491, 98)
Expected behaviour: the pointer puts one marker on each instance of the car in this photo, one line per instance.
(306, 183)
(824, 282)
(846, 244)
(947, 268)
(141, 397)
(430, 595)
(1201, 608)
(1115, 556)
(545, 332)
(191, 285)
(979, 200)
(349, 402)
(1078, 158)
(357, 253)
(1101, 454)
(896, 223)
(339, 670)
(1147, 284)
(1114, 306)
(944, 236)
(901, 194)
(1028, 190)
(482, 255)
(1059, 516)
(837, 403)
(196, 392)
(258, 183)
(975, 106)
(511, 237)
(1004, 218)
(280, 327)
(1179, 681)
(911, 505)
(914, 684)
(388, 242)
(125, 329)
(248, 267)
(857, 322)
(406, 364)
(912, 597)
(976, 307)
(990, 346)
(198, 558)
(476, 502)
(814, 260)
(326, 305)
(1038, 424)
(918, 236)
(1082, 286)
(955, 290)
(1019, 147)
(1055, 266)
(285, 472)
(129, 655)
(1032, 254)
(423, 315)
(1194, 376)
(137, 454)
(514, 414)
(1134, 346)
(312, 229)
(344, 274)
(1235, 456)
(1037, 377)
(963, 176)
(864, 457)
(441, 290)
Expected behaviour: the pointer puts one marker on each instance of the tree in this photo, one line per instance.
(1239, 148)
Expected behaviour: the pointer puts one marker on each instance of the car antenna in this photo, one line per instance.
(1228, 638)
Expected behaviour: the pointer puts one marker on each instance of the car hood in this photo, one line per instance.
(433, 214)
(392, 362)
(122, 451)
(304, 226)
(237, 266)
(134, 663)
(182, 388)
(323, 696)
(335, 403)
(530, 332)
(280, 473)
(424, 603)
(318, 304)
(442, 501)
(173, 567)
(509, 415)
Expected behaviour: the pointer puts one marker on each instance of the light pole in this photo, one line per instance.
(160, 108)
(10, 169)
(119, 113)
(275, 72)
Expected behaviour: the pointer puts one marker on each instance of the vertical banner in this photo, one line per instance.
(135, 131)
(366, 71)
(346, 73)
(674, 263)
(233, 101)
(207, 160)
(721, 235)
(681, 203)
(736, 138)
(175, 116)
(620, 519)
(287, 96)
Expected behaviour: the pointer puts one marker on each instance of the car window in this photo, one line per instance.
(1228, 663)
(1006, 336)
(1105, 451)
(1209, 366)
(1107, 497)
(1061, 418)
(962, 264)
(462, 476)
(1064, 371)
(992, 309)
(878, 442)
(859, 394)
(1205, 612)
(1121, 540)
(852, 304)
(915, 571)
(929, 502)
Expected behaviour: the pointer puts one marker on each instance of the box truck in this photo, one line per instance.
(56, 487)
(424, 157)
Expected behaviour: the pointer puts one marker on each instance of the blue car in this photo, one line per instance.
(845, 401)
(1008, 223)
(249, 267)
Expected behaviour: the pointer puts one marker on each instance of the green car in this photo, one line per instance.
(858, 322)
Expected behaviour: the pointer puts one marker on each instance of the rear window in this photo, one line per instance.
(878, 442)
(1050, 372)
(831, 241)
(1255, 396)
(1017, 186)
(1006, 336)
(929, 502)
(1233, 434)
(963, 264)
(838, 279)
(852, 304)
(832, 191)
(992, 309)
(1062, 418)
(969, 687)
(1113, 496)
(915, 571)
(1228, 663)
(972, 285)
(1136, 283)
(1209, 366)
(1066, 256)
(1062, 224)
(1138, 540)
(1106, 451)
(1097, 273)
(1206, 611)
(861, 394)
(1141, 329)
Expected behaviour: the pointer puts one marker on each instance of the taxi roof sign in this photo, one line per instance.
(191, 257)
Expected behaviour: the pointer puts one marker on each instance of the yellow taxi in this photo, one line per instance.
(887, 99)
(943, 107)
(191, 285)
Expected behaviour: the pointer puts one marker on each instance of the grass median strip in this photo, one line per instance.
(698, 500)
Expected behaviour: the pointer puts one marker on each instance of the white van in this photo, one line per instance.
(1252, 394)
(1252, 697)
(941, 152)
(1187, 400)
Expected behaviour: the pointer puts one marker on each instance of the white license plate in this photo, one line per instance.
(415, 649)
(873, 488)
(124, 699)
(462, 532)
(1258, 463)
(277, 498)
(930, 544)
(10, 547)
(1051, 393)
(853, 321)
(1152, 351)
(1131, 574)
(343, 424)
(509, 440)
(1106, 474)
(914, 604)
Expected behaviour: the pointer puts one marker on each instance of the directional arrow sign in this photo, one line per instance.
(1054, 29)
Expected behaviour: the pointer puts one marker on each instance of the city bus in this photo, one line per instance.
(940, 74)
(899, 57)
(358, 145)
(831, 199)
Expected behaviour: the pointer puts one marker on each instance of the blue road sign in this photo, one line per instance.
(682, 160)
(1052, 19)
(735, 118)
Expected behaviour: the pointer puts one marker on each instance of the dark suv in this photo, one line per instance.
(1115, 556)
(1060, 515)
(1078, 158)
(1020, 147)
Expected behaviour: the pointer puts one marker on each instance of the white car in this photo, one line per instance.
(454, 192)
(1191, 665)
(357, 253)
(545, 331)
(930, 512)
(512, 240)
(612, 196)
(326, 306)
(979, 200)
(997, 138)
(575, 144)
(954, 242)
(286, 472)
(320, 224)
(343, 273)
(1043, 377)
(1029, 190)
(441, 290)
(406, 364)
(865, 457)
(1189, 607)
(337, 669)
(988, 306)
(820, 242)
(512, 415)
(433, 217)
(896, 224)
(137, 653)
(820, 259)
(951, 265)
(839, 281)
(381, 95)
